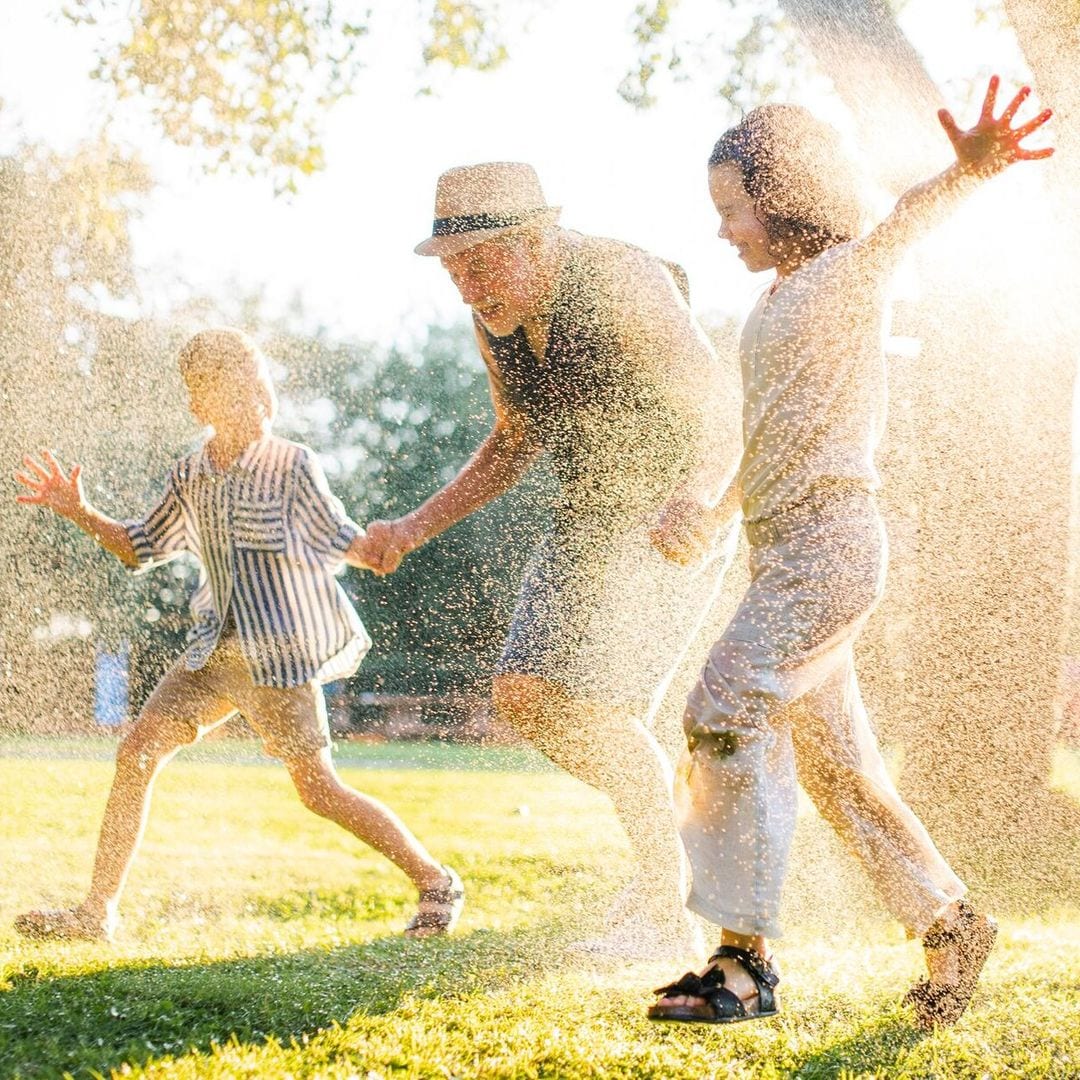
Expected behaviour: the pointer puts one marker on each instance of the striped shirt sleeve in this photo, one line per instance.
(162, 534)
(325, 525)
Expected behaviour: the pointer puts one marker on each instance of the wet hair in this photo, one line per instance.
(793, 166)
(230, 356)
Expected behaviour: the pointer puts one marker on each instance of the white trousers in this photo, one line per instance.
(777, 701)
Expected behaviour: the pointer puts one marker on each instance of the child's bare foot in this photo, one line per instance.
(66, 924)
(439, 908)
(956, 946)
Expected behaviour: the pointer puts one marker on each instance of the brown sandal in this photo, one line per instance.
(439, 908)
(939, 1004)
(64, 924)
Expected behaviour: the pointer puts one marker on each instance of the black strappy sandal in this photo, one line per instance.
(720, 1005)
(940, 1004)
(439, 909)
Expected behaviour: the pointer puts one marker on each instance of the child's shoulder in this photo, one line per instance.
(836, 255)
(184, 468)
(286, 456)
(288, 453)
(840, 266)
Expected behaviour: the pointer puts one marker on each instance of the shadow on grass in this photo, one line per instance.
(91, 1023)
(873, 1045)
(879, 1045)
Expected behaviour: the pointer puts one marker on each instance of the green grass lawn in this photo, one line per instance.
(261, 941)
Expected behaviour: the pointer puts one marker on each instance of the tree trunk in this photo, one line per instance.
(877, 73)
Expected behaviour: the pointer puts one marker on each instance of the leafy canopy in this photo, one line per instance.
(248, 82)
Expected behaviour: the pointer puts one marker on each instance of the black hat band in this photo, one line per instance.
(466, 223)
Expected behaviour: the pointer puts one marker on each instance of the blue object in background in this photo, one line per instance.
(111, 680)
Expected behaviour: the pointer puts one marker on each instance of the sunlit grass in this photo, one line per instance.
(259, 940)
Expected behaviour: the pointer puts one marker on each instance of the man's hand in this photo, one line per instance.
(50, 487)
(993, 145)
(686, 531)
(385, 543)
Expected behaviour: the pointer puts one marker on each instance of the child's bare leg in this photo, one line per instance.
(149, 745)
(294, 728)
(322, 791)
(180, 705)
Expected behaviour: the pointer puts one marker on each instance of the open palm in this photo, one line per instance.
(49, 485)
(994, 144)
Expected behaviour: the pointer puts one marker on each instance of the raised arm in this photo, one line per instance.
(496, 466)
(61, 492)
(984, 150)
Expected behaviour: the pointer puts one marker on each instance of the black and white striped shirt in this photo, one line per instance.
(269, 536)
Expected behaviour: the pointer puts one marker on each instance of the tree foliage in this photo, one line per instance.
(464, 35)
(729, 51)
(749, 49)
(248, 82)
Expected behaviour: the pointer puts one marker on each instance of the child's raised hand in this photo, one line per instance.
(49, 486)
(993, 145)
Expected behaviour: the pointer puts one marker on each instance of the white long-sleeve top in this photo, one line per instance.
(814, 380)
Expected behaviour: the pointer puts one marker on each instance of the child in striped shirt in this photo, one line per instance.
(271, 625)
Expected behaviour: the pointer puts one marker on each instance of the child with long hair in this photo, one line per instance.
(271, 625)
(778, 697)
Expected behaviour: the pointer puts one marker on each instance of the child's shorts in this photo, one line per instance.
(290, 721)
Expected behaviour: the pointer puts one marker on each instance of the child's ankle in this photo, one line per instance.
(98, 910)
(435, 878)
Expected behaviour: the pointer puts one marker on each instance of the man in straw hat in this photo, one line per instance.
(594, 358)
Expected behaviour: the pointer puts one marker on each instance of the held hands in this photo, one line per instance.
(993, 145)
(49, 486)
(385, 543)
(686, 530)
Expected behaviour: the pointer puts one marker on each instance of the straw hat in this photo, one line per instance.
(474, 203)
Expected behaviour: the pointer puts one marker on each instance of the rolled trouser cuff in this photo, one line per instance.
(752, 925)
